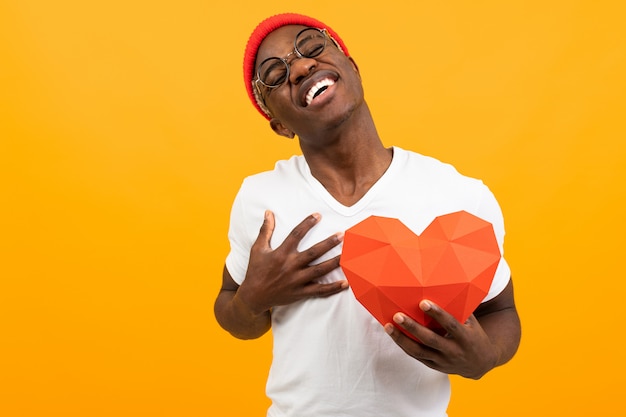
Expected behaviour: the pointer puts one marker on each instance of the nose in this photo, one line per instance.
(300, 68)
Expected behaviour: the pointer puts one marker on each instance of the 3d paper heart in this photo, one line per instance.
(391, 269)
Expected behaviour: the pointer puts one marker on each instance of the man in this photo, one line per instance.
(331, 357)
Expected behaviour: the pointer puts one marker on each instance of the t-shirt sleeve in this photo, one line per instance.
(489, 210)
(240, 241)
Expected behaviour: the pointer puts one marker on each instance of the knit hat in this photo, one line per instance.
(263, 29)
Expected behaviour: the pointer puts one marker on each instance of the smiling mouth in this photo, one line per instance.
(318, 89)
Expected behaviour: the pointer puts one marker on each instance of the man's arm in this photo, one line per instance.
(234, 315)
(489, 338)
(499, 319)
(275, 277)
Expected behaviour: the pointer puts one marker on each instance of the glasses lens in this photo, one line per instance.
(310, 42)
(272, 72)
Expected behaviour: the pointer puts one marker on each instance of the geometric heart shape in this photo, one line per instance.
(391, 269)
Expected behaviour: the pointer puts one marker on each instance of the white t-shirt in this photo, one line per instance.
(331, 357)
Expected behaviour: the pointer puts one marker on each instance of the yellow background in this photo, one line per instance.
(125, 132)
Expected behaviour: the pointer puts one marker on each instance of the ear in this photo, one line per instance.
(280, 129)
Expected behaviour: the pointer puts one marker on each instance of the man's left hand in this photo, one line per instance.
(465, 349)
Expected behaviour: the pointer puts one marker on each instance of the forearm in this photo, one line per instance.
(235, 317)
(504, 331)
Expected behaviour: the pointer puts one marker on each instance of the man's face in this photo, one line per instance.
(319, 93)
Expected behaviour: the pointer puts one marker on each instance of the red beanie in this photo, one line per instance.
(266, 27)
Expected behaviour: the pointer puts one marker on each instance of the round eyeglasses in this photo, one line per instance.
(274, 71)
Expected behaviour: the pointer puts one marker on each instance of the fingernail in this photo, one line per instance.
(316, 216)
(425, 305)
(267, 214)
(339, 236)
(398, 318)
(388, 328)
(345, 284)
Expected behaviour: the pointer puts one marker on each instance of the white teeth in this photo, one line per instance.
(326, 82)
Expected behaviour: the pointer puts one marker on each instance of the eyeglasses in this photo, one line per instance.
(274, 71)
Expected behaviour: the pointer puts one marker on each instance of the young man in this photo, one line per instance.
(331, 357)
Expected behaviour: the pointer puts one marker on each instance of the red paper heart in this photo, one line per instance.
(391, 269)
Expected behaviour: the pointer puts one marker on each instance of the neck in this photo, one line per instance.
(347, 161)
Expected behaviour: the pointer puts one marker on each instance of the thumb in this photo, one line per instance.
(267, 230)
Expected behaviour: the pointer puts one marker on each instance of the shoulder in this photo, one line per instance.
(433, 171)
(432, 187)
(284, 171)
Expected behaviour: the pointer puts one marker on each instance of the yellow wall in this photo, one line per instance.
(125, 132)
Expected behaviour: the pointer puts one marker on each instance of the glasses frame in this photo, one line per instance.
(296, 52)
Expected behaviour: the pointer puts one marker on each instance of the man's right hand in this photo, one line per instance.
(283, 275)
